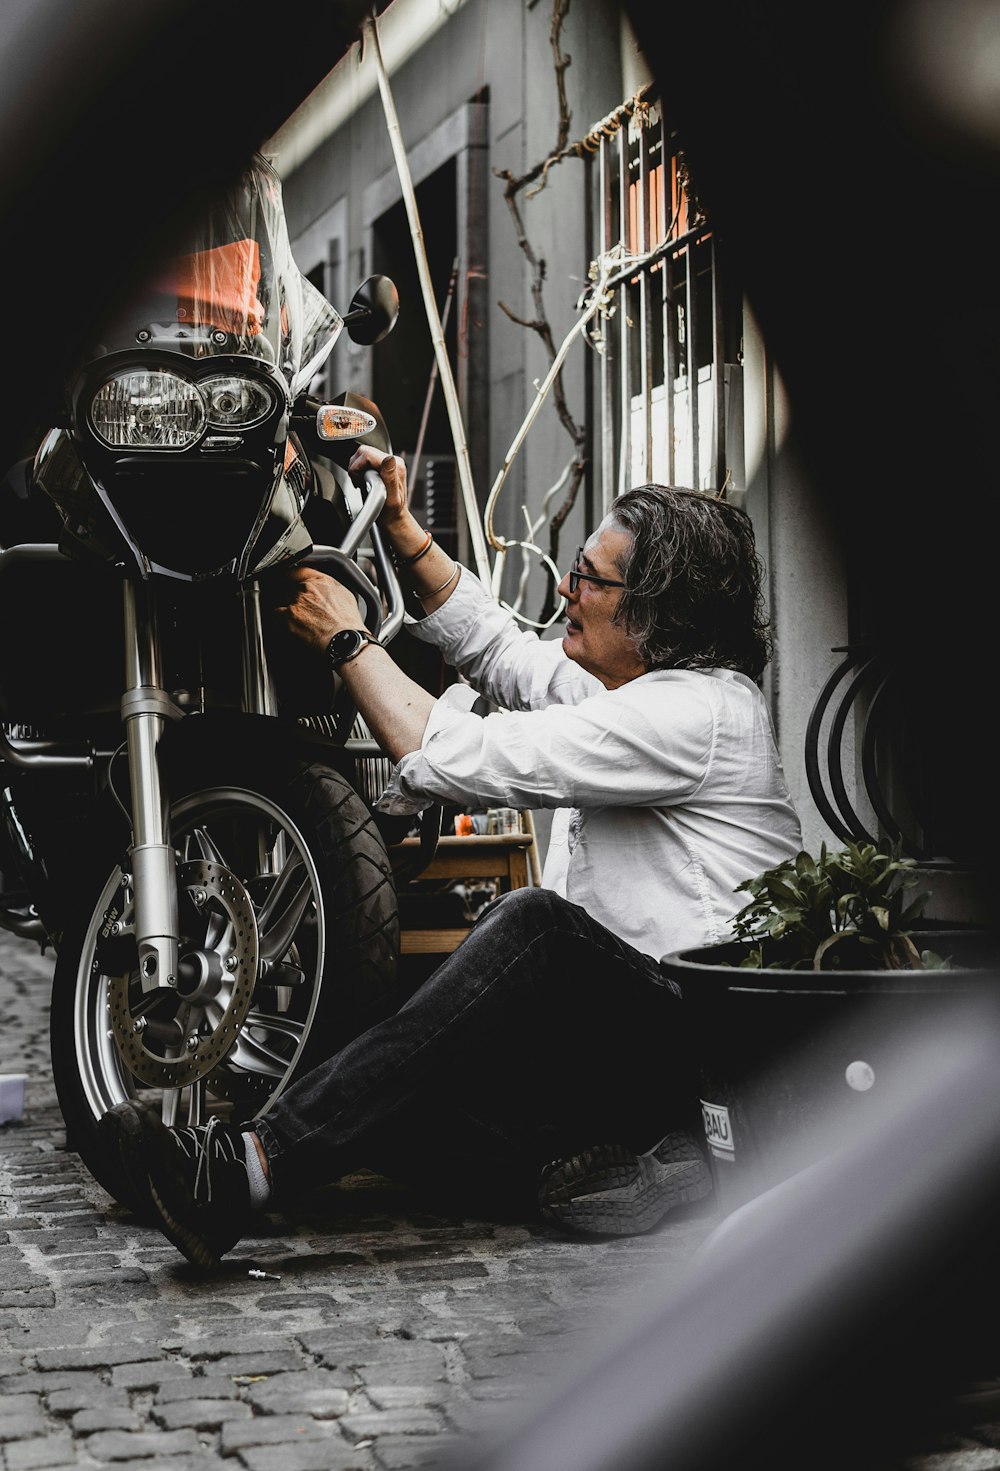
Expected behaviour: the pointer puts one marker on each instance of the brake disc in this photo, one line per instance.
(215, 892)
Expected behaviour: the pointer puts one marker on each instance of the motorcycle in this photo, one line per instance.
(181, 783)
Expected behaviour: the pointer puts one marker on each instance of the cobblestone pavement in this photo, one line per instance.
(395, 1337)
(393, 1334)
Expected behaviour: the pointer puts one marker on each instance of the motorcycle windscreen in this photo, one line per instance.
(230, 287)
(217, 290)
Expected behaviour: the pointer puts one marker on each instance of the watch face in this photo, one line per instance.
(348, 641)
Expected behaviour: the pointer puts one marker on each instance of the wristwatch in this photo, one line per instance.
(347, 645)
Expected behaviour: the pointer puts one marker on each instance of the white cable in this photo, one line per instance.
(433, 318)
(598, 302)
(529, 545)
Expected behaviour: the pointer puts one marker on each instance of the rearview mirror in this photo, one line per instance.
(373, 311)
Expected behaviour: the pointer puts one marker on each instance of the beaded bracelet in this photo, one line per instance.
(409, 561)
(423, 596)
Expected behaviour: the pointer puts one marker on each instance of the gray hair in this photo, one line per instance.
(693, 581)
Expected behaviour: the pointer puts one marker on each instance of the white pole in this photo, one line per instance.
(433, 318)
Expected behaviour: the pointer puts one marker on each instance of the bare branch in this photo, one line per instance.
(513, 187)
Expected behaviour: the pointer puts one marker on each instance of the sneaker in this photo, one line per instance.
(121, 1132)
(195, 1179)
(609, 1191)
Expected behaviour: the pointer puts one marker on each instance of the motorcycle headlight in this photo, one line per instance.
(235, 402)
(144, 409)
(139, 409)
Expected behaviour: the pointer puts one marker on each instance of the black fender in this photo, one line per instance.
(227, 746)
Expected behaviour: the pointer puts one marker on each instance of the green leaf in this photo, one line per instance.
(857, 891)
(827, 945)
(914, 910)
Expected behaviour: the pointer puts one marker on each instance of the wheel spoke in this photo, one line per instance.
(277, 895)
(184, 1106)
(283, 975)
(204, 846)
(281, 1026)
(216, 929)
(196, 1103)
(251, 1054)
(282, 912)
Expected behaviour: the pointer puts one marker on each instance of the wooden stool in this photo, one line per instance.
(500, 856)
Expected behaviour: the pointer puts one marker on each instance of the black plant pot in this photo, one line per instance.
(797, 1063)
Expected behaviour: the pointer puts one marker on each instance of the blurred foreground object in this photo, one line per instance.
(12, 1097)
(854, 179)
(820, 1323)
(77, 125)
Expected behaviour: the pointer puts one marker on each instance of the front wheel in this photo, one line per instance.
(289, 945)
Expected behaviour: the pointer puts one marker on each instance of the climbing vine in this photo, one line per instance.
(523, 187)
(514, 188)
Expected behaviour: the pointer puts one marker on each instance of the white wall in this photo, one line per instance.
(806, 575)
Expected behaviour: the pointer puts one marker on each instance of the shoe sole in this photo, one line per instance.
(193, 1246)
(140, 1134)
(609, 1191)
(122, 1130)
(168, 1189)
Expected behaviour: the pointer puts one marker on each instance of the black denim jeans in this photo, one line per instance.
(541, 1035)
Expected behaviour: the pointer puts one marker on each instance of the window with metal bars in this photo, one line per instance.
(667, 395)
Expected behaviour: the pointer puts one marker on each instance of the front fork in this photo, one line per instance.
(146, 707)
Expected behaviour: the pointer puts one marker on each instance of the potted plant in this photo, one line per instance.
(820, 999)
(844, 909)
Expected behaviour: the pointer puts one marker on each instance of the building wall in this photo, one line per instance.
(501, 53)
(806, 574)
(500, 57)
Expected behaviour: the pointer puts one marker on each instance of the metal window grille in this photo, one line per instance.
(667, 395)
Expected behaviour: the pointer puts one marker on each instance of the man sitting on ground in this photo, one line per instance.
(547, 1058)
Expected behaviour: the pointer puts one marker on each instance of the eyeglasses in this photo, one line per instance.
(576, 576)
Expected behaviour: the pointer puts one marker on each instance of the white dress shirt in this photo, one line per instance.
(670, 789)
